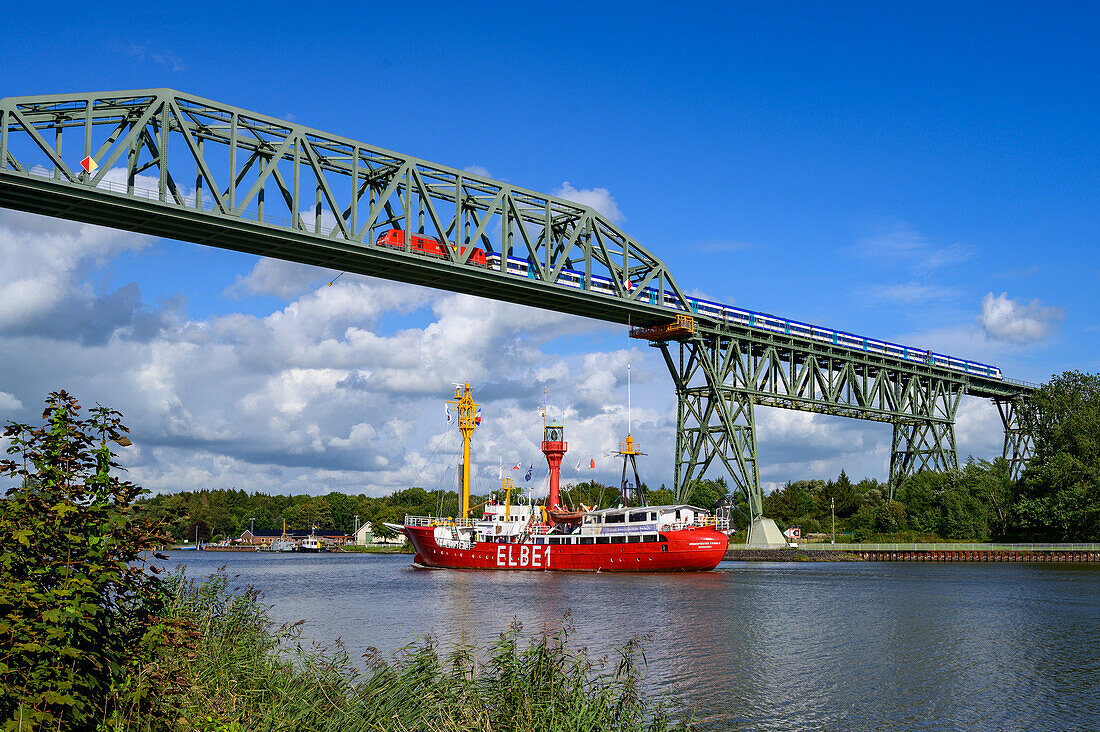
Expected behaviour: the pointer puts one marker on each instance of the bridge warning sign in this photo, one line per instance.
(88, 164)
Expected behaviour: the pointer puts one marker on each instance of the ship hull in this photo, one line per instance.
(687, 550)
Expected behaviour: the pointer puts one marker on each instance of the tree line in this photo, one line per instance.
(216, 513)
(1057, 498)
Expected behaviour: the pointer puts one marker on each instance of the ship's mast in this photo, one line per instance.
(467, 409)
(629, 451)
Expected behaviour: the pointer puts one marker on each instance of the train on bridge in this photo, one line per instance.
(395, 238)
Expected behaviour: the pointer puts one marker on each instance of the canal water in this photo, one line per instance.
(755, 646)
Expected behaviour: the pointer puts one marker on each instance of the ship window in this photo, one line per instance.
(634, 539)
(664, 548)
(618, 539)
(640, 516)
(603, 539)
(588, 539)
(616, 518)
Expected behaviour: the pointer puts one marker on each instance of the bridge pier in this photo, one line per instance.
(1019, 445)
(713, 420)
(920, 445)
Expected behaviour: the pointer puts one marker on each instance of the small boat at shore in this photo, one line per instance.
(553, 538)
(284, 543)
(311, 544)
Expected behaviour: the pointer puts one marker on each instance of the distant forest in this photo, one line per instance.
(1056, 499)
(213, 514)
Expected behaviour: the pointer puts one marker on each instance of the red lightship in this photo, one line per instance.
(541, 538)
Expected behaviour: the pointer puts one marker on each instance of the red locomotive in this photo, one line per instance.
(427, 245)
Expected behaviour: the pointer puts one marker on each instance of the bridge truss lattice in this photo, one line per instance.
(187, 168)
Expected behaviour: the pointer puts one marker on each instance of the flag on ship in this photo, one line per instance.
(516, 467)
(592, 466)
(447, 412)
(529, 471)
(477, 416)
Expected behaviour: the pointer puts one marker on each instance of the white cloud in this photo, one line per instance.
(1013, 321)
(478, 170)
(900, 245)
(44, 286)
(978, 429)
(598, 198)
(911, 292)
(317, 395)
(8, 402)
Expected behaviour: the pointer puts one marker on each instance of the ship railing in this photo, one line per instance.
(454, 543)
(721, 524)
(439, 521)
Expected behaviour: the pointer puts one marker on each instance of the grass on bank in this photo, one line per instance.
(224, 666)
(405, 548)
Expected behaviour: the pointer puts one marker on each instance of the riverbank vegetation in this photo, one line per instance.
(91, 637)
(213, 514)
(226, 667)
(1057, 497)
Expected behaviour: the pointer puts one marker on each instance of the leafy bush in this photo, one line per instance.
(76, 603)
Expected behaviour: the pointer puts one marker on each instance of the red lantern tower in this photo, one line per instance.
(554, 448)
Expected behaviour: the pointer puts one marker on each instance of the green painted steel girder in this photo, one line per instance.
(265, 186)
(186, 168)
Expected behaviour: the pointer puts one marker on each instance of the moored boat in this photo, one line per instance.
(552, 537)
(284, 543)
(646, 539)
(311, 544)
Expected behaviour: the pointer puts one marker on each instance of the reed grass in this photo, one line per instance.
(223, 666)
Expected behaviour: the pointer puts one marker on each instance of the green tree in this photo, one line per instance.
(1060, 493)
(790, 502)
(708, 494)
(76, 599)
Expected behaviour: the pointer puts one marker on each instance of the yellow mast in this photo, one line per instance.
(507, 485)
(464, 401)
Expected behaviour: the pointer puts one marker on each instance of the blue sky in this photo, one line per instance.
(923, 174)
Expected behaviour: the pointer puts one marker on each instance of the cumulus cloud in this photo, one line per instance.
(45, 288)
(1013, 321)
(598, 198)
(978, 429)
(279, 278)
(8, 402)
(340, 388)
(314, 395)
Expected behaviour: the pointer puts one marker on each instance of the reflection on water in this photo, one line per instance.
(755, 646)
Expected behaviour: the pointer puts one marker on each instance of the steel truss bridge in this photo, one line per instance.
(177, 166)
